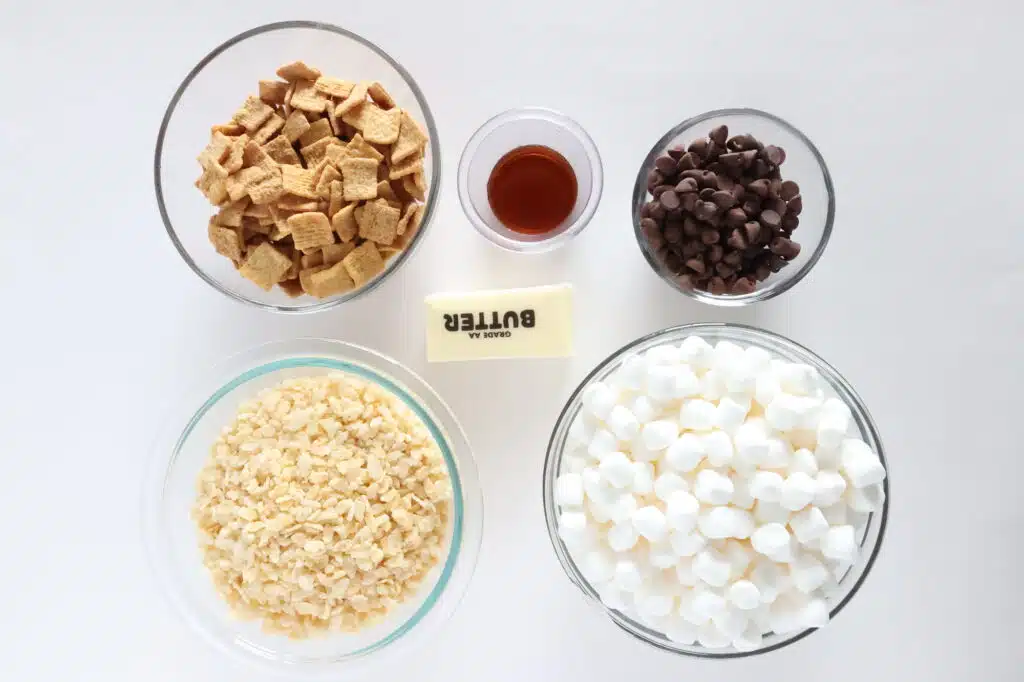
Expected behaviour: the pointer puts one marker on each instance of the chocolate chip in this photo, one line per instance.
(774, 188)
(696, 264)
(673, 234)
(719, 135)
(709, 237)
(676, 151)
(648, 224)
(777, 263)
(708, 180)
(686, 185)
(717, 286)
(685, 281)
(741, 142)
(774, 155)
(749, 157)
(725, 270)
(669, 199)
(735, 216)
(715, 253)
(705, 209)
(777, 205)
(744, 285)
(666, 165)
(785, 248)
(731, 160)
(691, 249)
(751, 206)
(659, 190)
(699, 147)
(770, 218)
(734, 258)
(762, 272)
(789, 190)
(759, 187)
(672, 262)
(654, 178)
(760, 169)
(658, 211)
(737, 240)
(752, 232)
(723, 199)
(707, 193)
(694, 173)
(795, 205)
(689, 201)
(688, 161)
(790, 222)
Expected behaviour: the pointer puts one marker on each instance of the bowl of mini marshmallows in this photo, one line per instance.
(313, 507)
(719, 490)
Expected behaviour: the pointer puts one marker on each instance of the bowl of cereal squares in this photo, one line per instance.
(296, 166)
(313, 506)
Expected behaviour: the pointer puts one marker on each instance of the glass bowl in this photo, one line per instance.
(517, 128)
(211, 93)
(870, 538)
(803, 164)
(172, 541)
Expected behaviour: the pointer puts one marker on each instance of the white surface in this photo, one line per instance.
(917, 109)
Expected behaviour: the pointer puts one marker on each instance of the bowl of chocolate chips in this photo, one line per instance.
(733, 206)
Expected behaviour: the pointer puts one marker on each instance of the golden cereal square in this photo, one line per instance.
(410, 211)
(329, 176)
(268, 189)
(360, 179)
(316, 152)
(280, 150)
(292, 287)
(298, 71)
(336, 199)
(411, 139)
(310, 230)
(413, 164)
(356, 98)
(334, 253)
(308, 98)
(273, 92)
(265, 265)
(364, 263)
(376, 124)
(231, 215)
(318, 129)
(360, 148)
(226, 241)
(268, 129)
(331, 280)
(415, 189)
(298, 181)
(344, 223)
(216, 149)
(253, 113)
(379, 95)
(295, 126)
(334, 87)
(379, 222)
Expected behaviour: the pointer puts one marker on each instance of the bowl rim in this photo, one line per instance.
(429, 204)
(433, 608)
(759, 294)
(550, 509)
(572, 128)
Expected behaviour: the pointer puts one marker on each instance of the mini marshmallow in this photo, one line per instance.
(771, 512)
(784, 412)
(598, 565)
(574, 464)
(643, 409)
(686, 452)
(621, 509)
(765, 576)
(581, 430)
(686, 543)
(831, 486)
(771, 539)
(697, 415)
(622, 536)
(740, 556)
(767, 486)
(654, 605)
(858, 500)
(705, 605)
(785, 613)
(640, 453)
(628, 576)
(712, 385)
(814, 614)
(679, 631)
(601, 513)
(681, 511)
(751, 638)
(726, 355)
(660, 434)
(668, 483)
(643, 478)
(712, 567)
(686, 383)
(632, 372)
(798, 491)
(719, 523)
(798, 379)
(744, 595)
(665, 354)
(599, 399)
(741, 495)
(836, 514)
(874, 498)
(595, 488)
(834, 423)
(808, 525)
(731, 622)
(718, 447)
(840, 543)
(803, 461)
(573, 527)
(696, 352)
(622, 423)
(741, 377)
(650, 522)
(684, 572)
(779, 454)
(616, 469)
(661, 383)
(710, 637)
(602, 443)
(712, 487)
(808, 573)
(860, 463)
(766, 388)
(613, 597)
(730, 413)
(751, 441)
(757, 358)
(661, 555)
(569, 490)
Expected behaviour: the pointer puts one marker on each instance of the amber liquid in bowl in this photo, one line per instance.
(532, 189)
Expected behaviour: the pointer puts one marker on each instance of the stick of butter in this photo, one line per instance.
(534, 322)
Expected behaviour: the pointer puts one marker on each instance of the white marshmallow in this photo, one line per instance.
(758, 358)
(860, 463)
(712, 487)
(569, 490)
(741, 495)
(665, 354)
(616, 469)
(814, 614)
(731, 622)
(643, 478)
(751, 441)
(650, 522)
(686, 543)
(744, 595)
(661, 555)
(679, 631)
(741, 377)
(779, 454)
(808, 573)
(712, 385)
(639, 452)
(622, 507)
(808, 525)
(601, 513)
(719, 523)
(803, 461)
(767, 486)
(659, 434)
(726, 355)
(804, 438)
(705, 605)
(681, 511)
(771, 512)
(751, 639)
(602, 443)
(836, 514)
(710, 637)
(718, 447)
(697, 415)
(581, 430)
(686, 383)
(668, 483)
(574, 464)
(784, 412)
(628, 575)
(643, 409)
(598, 565)
(622, 536)
(685, 453)
(632, 372)
(840, 543)
(785, 613)
(798, 491)
(696, 352)
(730, 413)
(712, 567)
(798, 379)
(771, 539)
(834, 423)
(661, 383)
(831, 486)
(766, 576)
(654, 606)
(766, 388)
(599, 399)
(870, 498)
(573, 528)
(613, 597)
(595, 488)
(684, 572)
(622, 423)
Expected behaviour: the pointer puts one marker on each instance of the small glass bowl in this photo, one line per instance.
(804, 165)
(172, 540)
(211, 93)
(870, 540)
(516, 128)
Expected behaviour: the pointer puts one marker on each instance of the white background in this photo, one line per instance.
(917, 108)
